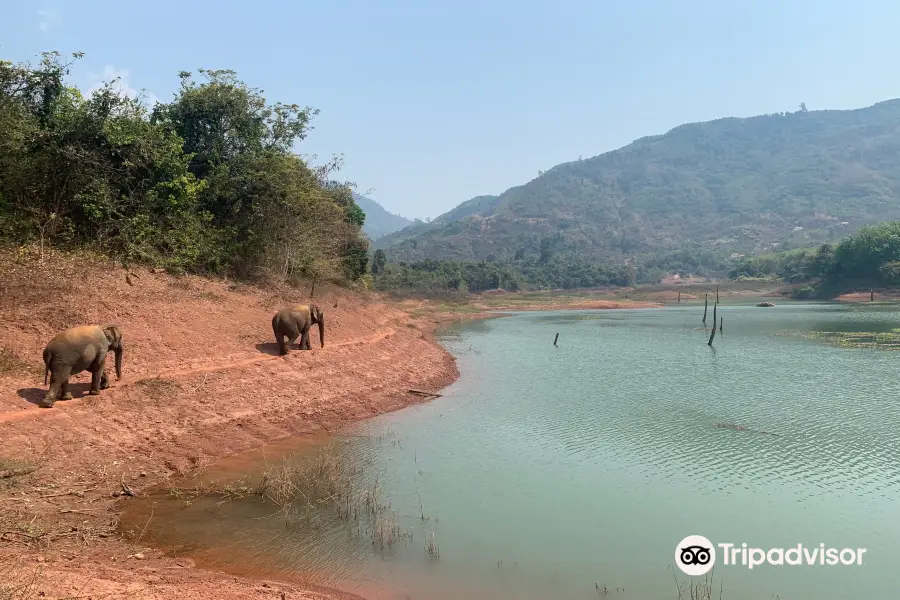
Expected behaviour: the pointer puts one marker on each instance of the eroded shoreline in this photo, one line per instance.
(194, 389)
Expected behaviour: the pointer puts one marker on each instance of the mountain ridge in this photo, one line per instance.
(379, 221)
(734, 185)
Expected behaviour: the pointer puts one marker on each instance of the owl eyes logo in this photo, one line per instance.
(695, 555)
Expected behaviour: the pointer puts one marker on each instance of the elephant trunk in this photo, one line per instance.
(321, 320)
(119, 363)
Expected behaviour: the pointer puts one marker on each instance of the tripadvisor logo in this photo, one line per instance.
(696, 555)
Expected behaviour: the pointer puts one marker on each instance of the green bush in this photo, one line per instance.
(207, 183)
(890, 272)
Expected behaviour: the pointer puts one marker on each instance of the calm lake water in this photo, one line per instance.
(573, 472)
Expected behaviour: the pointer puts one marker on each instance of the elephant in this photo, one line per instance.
(296, 321)
(78, 349)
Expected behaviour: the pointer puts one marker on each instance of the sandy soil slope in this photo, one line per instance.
(201, 380)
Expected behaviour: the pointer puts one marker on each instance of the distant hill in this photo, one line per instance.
(733, 185)
(379, 222)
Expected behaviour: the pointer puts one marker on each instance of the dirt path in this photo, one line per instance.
(228, 363)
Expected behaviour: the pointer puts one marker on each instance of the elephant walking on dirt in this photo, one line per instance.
(295, 322)
(80, 349)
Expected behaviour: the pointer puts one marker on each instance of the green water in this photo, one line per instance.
(548, 472)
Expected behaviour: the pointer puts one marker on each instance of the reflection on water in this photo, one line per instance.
(572, 472)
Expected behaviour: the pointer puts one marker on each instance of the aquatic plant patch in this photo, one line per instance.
(881, 340)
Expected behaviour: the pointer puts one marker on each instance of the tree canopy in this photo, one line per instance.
(206, 183)
(869, 257)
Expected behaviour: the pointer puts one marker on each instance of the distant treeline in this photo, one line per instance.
(459, 276)
(869, 257)
(206, 183)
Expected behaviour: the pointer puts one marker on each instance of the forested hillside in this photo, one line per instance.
(869, 258)
(206, 183)
(698, 193)
(379, 222)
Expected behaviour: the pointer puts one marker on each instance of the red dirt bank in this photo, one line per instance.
(201, 380)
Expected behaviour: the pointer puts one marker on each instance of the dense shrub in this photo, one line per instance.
(206, 183)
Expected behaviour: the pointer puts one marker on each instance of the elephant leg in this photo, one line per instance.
(293, 339)
(304, 340)
(96, 374)
(282, 349)
(104, 380)
(64, 391)
(95, 383)
(58, 377)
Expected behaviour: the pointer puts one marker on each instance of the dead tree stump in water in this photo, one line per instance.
(555, 339)
(871, 295)
(705, 306)
(679, 297)
(721, 324)
(713, 334)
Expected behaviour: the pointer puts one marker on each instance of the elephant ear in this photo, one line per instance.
(113, 333)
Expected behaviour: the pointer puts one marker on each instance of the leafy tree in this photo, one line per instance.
(355, 215)
(862, 254)
(871, 256)
(206, 183)
(356, 258)
(890, 272)
(222, 119)
(379, 260)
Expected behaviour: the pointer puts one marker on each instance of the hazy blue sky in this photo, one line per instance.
(432, 102)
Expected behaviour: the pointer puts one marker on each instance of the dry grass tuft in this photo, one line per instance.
(211, 296)
(302, 487)
(35, 281)
(302, 483)
(24, 579)
(159, 387)
(181, 283)
(699, 589)
(12, 472)
(18, 578)
(432, 550)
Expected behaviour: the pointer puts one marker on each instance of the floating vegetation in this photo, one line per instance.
(878, 340)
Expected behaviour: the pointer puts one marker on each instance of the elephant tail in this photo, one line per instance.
(46, 364)
(275, 326)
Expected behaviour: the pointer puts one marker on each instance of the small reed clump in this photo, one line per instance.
(300, 486)
(432, 550)
(326, 485)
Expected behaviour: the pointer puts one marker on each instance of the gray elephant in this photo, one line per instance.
(78, 349)
(295, 322)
